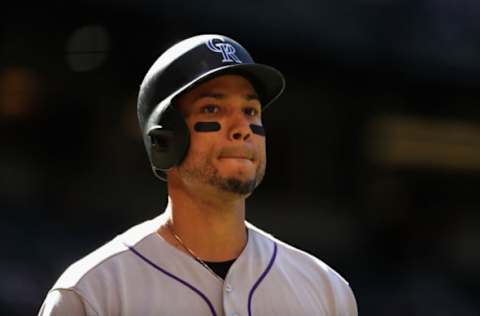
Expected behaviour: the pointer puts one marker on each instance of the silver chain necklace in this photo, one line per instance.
(190, 252)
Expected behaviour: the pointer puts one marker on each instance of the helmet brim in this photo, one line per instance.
(268, 82)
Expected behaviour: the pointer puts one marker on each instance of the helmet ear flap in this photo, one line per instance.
(169, 141)
(161, 139)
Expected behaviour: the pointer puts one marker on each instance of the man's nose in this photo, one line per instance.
(240, 128)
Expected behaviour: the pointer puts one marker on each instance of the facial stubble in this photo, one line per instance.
(205, 172)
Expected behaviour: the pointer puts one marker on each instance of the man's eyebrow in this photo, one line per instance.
(213, 95)
(252, 96)
(220, 96)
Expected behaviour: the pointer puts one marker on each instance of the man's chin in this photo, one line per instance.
(237, 186)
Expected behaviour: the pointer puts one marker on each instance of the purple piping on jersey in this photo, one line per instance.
(260, 279)
(191, 287)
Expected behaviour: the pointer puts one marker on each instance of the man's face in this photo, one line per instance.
(232, 157)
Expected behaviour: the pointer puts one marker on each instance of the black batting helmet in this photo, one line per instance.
(180, 68)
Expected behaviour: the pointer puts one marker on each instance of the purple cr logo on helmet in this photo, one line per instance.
(227, 50)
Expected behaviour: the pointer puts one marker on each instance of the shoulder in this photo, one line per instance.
(64, 302)
(289, 253)
(292, 261)
(105, 257)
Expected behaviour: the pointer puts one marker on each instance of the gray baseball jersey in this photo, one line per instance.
(139, 273)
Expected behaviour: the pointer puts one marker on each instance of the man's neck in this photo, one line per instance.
(214, 229)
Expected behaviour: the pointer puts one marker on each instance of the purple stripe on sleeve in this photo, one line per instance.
(260, 279)
(191, 287)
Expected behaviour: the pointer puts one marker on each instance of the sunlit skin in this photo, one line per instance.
(207, 191)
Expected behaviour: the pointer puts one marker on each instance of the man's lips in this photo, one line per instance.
(237, 157)
(242, 154)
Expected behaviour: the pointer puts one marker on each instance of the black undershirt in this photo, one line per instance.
(220, 268)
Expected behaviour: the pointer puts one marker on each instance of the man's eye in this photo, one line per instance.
(251, 111)
(210, 109)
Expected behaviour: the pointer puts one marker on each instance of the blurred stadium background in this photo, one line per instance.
(374, 148)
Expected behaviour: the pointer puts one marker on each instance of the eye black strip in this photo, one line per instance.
(207, 126)
(257, 129)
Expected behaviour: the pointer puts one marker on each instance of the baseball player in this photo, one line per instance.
(200, 110)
